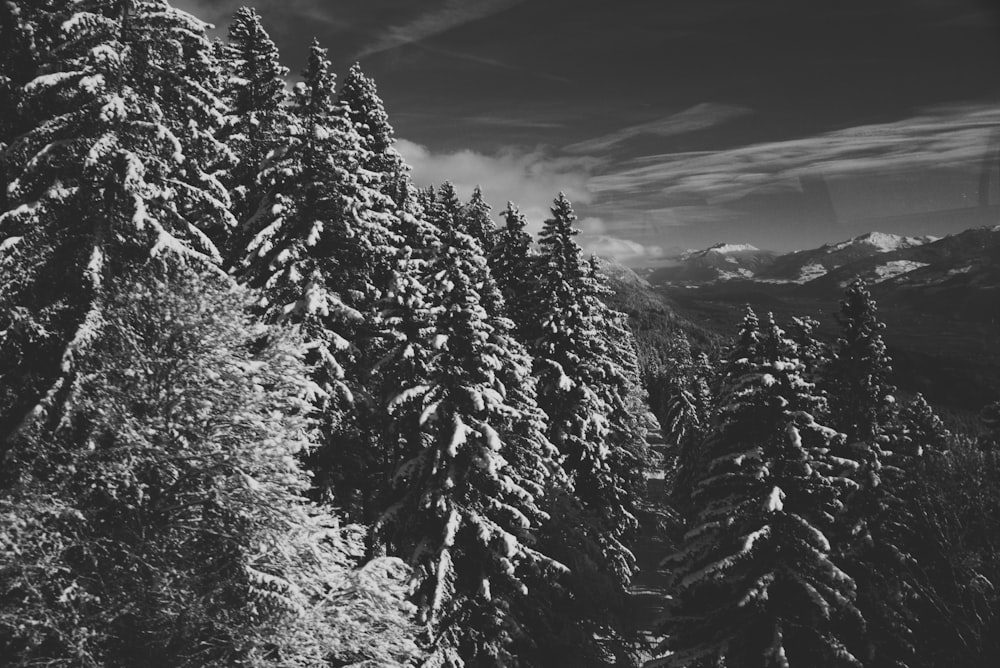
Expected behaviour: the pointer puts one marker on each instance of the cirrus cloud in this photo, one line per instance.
(952, 137)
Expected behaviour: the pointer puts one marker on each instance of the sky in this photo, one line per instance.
(675, 124)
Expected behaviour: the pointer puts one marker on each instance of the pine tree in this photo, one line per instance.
(254, 91)
(585, 393)
(616, 363)
(512, 265)
(474, 462)
(860, 369)
(100, 182)
(916, 429)
(478, 222)
(366, 111)
(680, 400)
(446, 210)
(580, 386)
(874, 535)
(754, 582)
(813, 353)
(320, 249)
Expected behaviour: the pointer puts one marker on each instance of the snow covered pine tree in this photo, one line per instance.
(754, 581)
(150, 502)
(474, 463)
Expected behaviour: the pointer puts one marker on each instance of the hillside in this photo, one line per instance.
(807, 265)
(967, 260)
(721, 262)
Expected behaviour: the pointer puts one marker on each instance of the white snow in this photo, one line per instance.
(457, 437)
(811, 272)
(9, 243)
(775, 500)
(406, 396)
(749, 540)
(740, 274)
(732, 248)
(895, 268)
(885, 243)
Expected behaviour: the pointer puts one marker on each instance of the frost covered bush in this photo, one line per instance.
(158, 518)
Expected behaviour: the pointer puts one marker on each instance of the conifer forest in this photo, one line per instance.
(266, 402)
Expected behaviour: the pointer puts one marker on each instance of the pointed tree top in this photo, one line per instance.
(514, 219)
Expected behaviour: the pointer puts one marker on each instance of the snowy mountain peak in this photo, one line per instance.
(883, 242)
(732, 248)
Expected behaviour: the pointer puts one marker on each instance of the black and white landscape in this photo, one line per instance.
(279, 387)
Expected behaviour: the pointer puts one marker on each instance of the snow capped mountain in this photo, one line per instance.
(721, 262)
(810, 265)
(883, 242)
(727, 249)
(970, 259)
(877, 256)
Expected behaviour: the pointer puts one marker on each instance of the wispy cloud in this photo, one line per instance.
(479, 60)
(451, 14)
(219, 12)
(626, 251)
(512, 122)
(699, 117)
(941, 138)
(531, 178)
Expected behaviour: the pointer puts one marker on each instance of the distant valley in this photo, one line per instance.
(939, 298)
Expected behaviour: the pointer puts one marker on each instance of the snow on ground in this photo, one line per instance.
(811, 272)
(732, 248)
(894, 268)
(740, 274)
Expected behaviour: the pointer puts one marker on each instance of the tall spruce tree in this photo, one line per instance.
(875, 542)
(754, 581)
(319, 250)
(445, 210)
(474, 462)
(254, 92)
(580, 385)
(583, 390)
(366, 111)
(511, 264)
(99, 182)
(680, 399)
(478, 222)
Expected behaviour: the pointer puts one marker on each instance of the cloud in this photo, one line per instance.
(452, 14)
(530, 178)
(699, 117)
(944, 138)
(622, 250)
(220, 12)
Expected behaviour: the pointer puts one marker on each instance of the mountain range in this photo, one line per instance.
(966, 259)
(939, 299)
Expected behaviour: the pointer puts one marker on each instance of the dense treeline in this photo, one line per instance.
(821, 520)
(265, 402)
